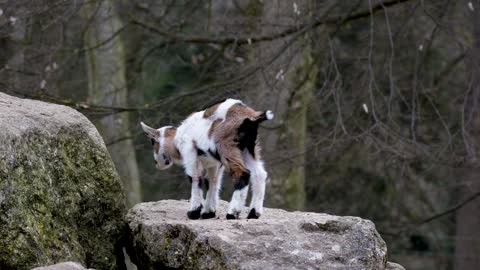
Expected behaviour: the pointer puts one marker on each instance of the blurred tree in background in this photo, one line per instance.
(107, 86)
(376, 101)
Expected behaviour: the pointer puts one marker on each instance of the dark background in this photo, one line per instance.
(376, 102)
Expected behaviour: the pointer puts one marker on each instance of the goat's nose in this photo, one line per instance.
(167, 162)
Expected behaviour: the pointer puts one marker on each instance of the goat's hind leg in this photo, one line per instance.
(232, 159)
(241, 177)
(258, 180)
(239, 196)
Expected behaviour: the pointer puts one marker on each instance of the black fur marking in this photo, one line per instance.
(215, 154)
(207, 184)
(152, 141)
(262, 117)
(247, 135)
(243, 181)
(190, 179)
(200, 152)
(253, 214)
(208, 215)
(230, 216)
(195, 214)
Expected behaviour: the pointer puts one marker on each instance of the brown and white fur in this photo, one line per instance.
(224, 136)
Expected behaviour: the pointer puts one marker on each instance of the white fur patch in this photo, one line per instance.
(238, 201)
(269, 115)
(258, 177)
(223, 108)
(196, 197)
(162, 140)
(194, 128)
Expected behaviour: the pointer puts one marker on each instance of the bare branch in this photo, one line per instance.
(248, 40)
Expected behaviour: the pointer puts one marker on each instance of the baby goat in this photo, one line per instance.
(224, 136)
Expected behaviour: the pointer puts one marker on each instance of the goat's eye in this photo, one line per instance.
(164, 157)
(152, 141)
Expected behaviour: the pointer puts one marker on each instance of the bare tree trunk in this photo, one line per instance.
(285, 84)
(281, 77)
(107, 86)
(467, 240)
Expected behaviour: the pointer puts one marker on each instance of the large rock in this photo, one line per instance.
(63, 266)
(161, 237)
(60, 196)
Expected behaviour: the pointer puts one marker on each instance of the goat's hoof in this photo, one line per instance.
(208, 215)
(230, 216)
(253, 214)
(194, 214)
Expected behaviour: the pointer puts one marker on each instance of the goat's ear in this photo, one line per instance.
(151, 132)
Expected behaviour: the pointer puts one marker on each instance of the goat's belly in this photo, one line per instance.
(208, 162)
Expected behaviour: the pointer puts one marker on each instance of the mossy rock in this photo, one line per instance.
(60, 195)
(160, 236)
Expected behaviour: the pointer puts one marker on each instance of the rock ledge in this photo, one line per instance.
(161, 236)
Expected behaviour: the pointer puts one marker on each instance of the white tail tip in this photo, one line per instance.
(269, 115)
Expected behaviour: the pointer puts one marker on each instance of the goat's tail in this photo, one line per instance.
(263, 116)
(248, 131)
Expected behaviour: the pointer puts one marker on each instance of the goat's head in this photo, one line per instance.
(164, 150)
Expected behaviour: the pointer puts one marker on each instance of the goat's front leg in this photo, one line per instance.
(215, 175)
(194, 172)
(196, 198)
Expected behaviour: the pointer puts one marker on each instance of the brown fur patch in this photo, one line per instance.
(225, 135)
(209, 112)
(240, 112)
(169, 144)
(232, 159)
(170, 132)
(225, 132)
(213, 126)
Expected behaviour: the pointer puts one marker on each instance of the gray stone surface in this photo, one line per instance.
(394, 266)
(63, 266)
(60, 195)
(162, 236)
